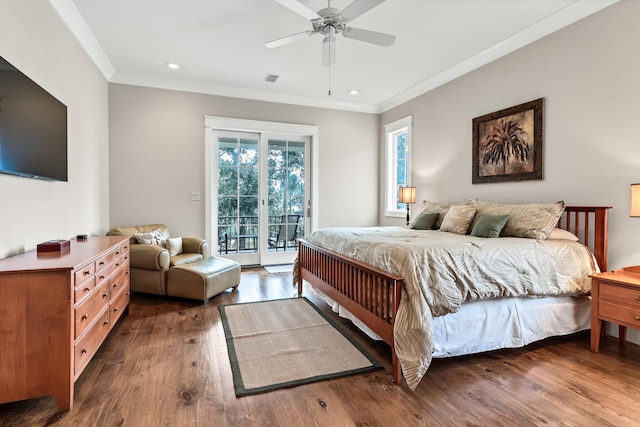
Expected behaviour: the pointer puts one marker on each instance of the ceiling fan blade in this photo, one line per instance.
(374, 37)
(357, 8)
(286, 40)
(329, 47)
(299, 8)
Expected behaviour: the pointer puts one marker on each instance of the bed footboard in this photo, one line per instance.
(370, 294)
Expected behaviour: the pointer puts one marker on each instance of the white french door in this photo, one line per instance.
(259, 197)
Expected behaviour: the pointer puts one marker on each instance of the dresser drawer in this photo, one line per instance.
(119, 280)
(84, 274)
(119, 304)
(84, 290)
(622, 314)
(87, 346)
(620, 294)
(90, 308)
(123, 251)
(107, 259)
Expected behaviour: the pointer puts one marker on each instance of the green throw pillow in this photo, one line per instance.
(425, 221)
(489, 225)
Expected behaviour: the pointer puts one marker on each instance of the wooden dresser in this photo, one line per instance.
(56, 309)
(615, 297)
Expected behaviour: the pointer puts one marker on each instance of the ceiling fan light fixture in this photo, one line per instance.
(172, 65)
(331, 21)
(354, 92)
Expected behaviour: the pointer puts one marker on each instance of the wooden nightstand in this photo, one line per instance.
(615, 297)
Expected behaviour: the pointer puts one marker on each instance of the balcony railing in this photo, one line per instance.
(239, 234)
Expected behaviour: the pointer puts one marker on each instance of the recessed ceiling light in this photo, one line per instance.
(354, 91)
(173, 65)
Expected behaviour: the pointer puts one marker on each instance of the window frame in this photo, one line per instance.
(391, 131)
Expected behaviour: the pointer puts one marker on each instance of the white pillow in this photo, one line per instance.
(174, 246)
(561, 234)
(152, 238)
(458, 218)
(533, 221)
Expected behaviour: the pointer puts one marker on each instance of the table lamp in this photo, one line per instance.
(407, 195)
(635, 200)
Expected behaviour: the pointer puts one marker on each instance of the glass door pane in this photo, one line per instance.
(286, 198)
(238, 196)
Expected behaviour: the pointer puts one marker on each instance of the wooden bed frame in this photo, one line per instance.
(373, 295)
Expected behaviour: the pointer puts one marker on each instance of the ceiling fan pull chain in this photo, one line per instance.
(329, 79)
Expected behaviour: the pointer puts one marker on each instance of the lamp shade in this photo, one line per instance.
(635, 200)
(407, 195)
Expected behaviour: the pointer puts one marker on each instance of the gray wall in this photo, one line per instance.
(35, 41)
(157, 156)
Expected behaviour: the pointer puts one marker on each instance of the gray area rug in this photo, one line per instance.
(285, 343)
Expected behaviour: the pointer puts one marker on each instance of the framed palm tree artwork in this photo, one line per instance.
(507, 144)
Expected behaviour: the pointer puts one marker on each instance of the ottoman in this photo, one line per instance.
(203, 279)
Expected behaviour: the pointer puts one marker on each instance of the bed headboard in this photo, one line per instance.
(590, 224)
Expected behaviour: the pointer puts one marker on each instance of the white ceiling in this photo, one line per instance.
(219, 45)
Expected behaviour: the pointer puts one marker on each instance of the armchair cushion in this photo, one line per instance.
(185, 258)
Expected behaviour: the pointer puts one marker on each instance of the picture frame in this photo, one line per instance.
(507, 144)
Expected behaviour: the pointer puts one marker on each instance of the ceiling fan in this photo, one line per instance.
(331, 21)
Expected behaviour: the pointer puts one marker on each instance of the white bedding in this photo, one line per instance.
(499, 323)
(443, 270)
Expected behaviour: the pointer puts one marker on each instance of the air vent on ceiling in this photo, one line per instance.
(271, 78)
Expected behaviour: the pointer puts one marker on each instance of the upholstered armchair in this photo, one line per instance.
(153, 252)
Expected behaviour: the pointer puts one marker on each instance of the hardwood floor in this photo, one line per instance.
(166, 364)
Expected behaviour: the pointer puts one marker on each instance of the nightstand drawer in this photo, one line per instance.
(620, 313)
(620, 294)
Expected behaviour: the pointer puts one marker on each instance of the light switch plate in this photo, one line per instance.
(195, 196)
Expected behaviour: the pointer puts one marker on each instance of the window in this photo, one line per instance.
(398, 163)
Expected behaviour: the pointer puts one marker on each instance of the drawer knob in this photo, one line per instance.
(106, 322)
(637, 298)
(117, 252)
(115, 310)
(636, 318)
(86, 272)
(101, 277)
(85, 316)
(87, 289)
(105, 295)
(83, 351)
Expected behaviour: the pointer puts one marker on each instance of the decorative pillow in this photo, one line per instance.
(434, 207)
(425, 221)
(174, 246)
(560, 234)
(152, 238)
(534, 221)
(489, 225)
(458, 218)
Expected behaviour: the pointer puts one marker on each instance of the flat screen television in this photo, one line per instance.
(33, 128)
